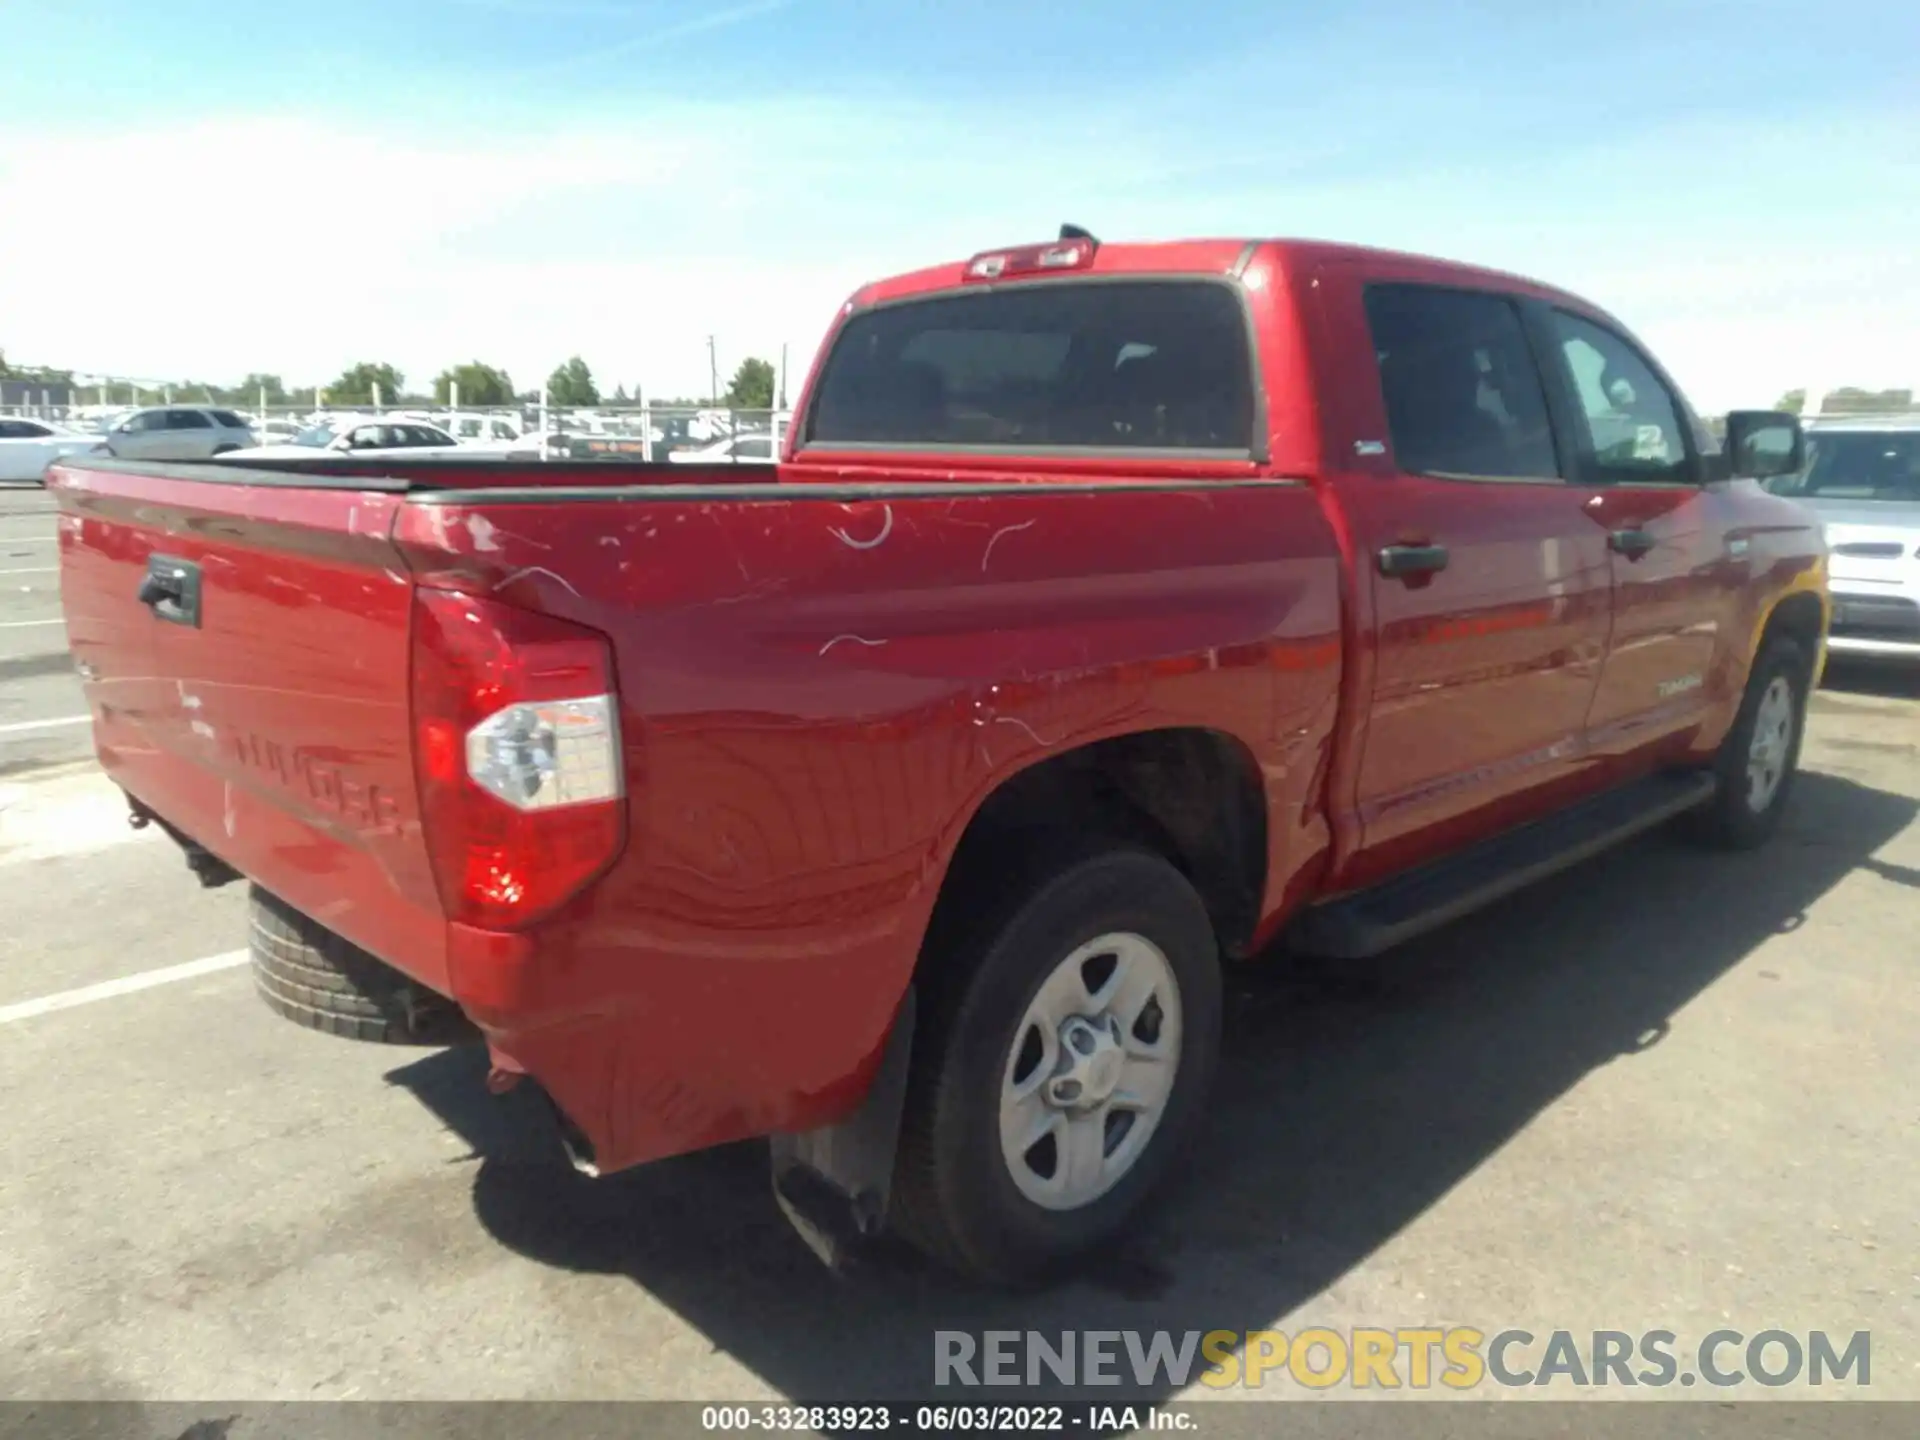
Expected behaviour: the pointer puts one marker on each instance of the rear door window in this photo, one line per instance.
(187, 420)
(1132, 365)
(1463, 395)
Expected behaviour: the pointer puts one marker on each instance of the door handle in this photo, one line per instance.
(1403, 560)
(171, 590)
(1631, 543)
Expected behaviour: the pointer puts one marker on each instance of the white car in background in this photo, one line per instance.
(276, 432)
(749, 448)
(493, 431)
(1862, 479)
(178, 432)
(360, 436)
(28, 447)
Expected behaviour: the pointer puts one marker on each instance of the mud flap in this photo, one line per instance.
(834, 1183)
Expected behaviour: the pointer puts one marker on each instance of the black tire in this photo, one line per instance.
(1731, 820)
(313, 977)
(993, 945)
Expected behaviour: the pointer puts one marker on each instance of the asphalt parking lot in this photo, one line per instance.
(1670, 1090)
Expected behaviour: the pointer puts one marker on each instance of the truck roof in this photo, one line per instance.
(1219, 256)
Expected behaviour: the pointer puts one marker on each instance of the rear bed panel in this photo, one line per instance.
(819, 685)
(277, 733)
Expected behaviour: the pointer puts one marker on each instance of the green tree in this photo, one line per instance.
(1853, 400)
(752, 387)
(620, 396)
(572, 384)
(1794, 402)
(257, 384)
(356, 384)
(479, 385)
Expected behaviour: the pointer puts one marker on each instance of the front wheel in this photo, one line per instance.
(1761, 754)
(1064, 1055)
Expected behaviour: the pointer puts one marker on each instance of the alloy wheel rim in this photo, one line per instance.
(1771, 744)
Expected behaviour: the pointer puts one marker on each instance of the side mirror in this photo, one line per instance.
(1764, 443)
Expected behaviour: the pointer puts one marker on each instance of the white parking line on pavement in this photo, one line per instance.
(111, 989)
(62, 815)
(34, 570)
(20, 727)
(26, 624)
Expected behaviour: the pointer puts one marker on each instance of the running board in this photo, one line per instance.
(1366, 922)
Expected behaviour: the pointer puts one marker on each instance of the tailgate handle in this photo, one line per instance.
(171, 590)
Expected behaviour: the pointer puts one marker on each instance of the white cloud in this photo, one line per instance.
(301, 247)
(304, 248)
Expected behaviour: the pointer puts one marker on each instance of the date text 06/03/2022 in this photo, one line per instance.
(1090, 1419)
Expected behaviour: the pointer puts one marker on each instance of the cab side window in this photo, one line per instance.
(1463, 396)
(1633, 427)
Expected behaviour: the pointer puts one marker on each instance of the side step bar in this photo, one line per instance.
(1366, 922)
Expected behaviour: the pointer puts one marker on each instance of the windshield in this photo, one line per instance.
(1857, 465)
(318, 436)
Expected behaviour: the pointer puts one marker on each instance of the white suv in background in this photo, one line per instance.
(1862, 479)
(178, 432)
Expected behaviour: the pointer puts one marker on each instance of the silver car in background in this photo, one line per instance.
(1862, 478)
(178, 432)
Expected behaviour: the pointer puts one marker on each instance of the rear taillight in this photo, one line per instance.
(517, 731)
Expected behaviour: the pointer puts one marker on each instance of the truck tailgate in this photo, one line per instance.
(266, 716)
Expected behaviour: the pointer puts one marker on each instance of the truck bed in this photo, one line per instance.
(818, 685)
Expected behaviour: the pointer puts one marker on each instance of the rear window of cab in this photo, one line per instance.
(1139, 365)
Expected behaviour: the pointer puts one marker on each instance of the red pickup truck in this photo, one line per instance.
(1115, 614)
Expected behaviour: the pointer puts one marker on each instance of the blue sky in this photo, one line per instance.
(295, 187)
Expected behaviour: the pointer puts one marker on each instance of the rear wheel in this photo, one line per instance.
(1066, 1045)
(316, 979)
(1761, 754)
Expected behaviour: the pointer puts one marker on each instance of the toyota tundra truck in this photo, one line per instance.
(1115, 615)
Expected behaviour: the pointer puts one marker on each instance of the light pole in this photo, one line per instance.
(713, 375)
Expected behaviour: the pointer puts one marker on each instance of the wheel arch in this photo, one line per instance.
(1189, 793)
(1800, 616)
